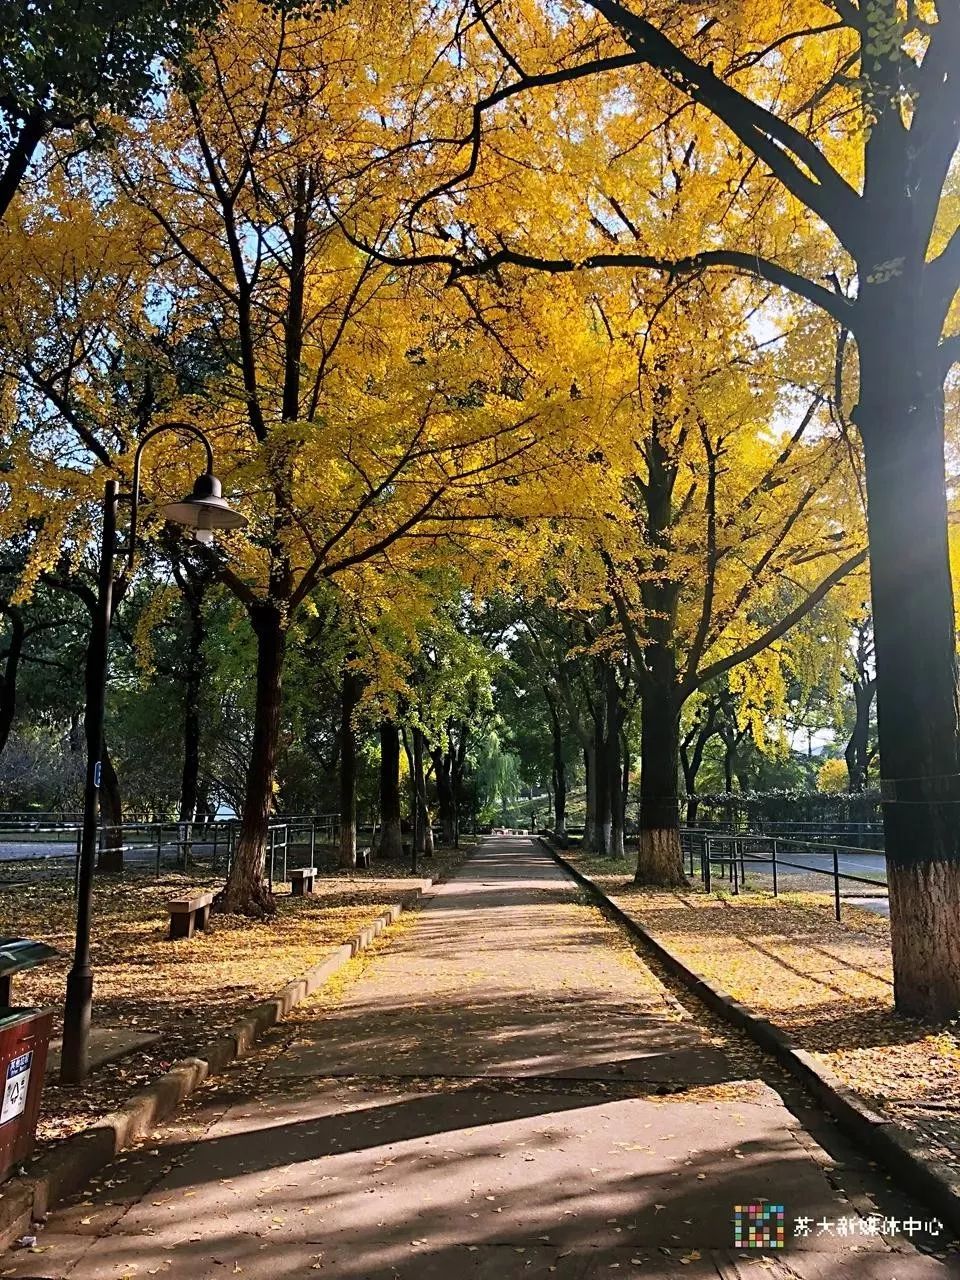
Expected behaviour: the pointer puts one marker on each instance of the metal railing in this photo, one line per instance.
(35, 822)
(733, 853)
(865, 835)
(761, 811)
(30, 821)
(175, 844)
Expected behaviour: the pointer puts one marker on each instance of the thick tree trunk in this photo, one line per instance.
(660, 860)
(918, 715)
(245, 891)
(422, 820)
(590, 841)
(857, 753)
(8, 677)
(559, 773)
(189, 780)
(348, 768)
(110, 855)
(391, 842)
(445, 799)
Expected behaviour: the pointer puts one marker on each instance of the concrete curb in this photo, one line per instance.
(69, 1166)
(889, 1143)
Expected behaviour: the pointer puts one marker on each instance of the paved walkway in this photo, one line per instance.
(506, 1091)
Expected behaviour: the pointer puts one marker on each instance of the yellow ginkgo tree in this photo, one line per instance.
(361, 417)
(833, 129)
(737, 512)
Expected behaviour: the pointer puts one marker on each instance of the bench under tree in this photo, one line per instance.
(302, 881)
(189, 914)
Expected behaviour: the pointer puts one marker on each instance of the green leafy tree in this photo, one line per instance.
(64, 64)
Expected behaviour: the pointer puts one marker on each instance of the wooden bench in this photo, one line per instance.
(188, 914)
(301, 881)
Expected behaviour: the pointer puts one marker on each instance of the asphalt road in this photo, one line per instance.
(17, 850)
(871, 865)
(816, 872)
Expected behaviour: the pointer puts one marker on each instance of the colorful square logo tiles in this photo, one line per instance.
(759, 1226)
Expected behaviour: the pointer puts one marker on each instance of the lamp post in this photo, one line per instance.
(203, 510)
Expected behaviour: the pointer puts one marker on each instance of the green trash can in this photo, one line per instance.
(17, 955)
(24, 1041)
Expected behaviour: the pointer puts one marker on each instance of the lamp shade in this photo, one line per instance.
(205, 509)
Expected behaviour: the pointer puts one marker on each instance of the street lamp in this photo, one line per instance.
(203, 510)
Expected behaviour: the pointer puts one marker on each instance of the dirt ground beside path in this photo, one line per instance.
(503, 1090)
(189, 991)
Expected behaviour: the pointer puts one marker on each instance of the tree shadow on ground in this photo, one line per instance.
(812, 1000)
(360, 1184)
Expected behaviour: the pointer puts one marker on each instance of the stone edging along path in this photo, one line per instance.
(887, 1142)
(69, 1165)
